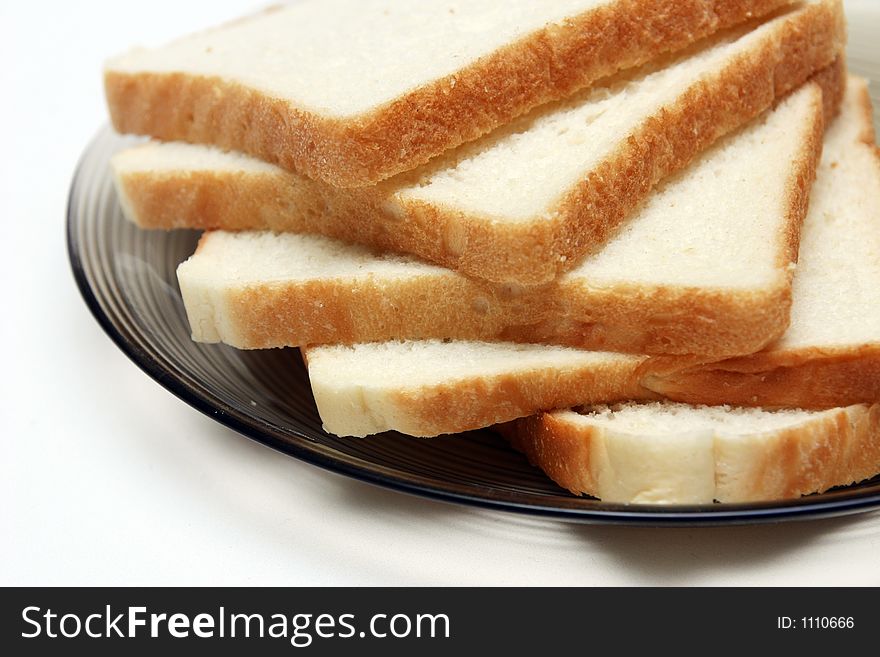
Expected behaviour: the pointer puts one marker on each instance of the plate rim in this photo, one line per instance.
(803, 508)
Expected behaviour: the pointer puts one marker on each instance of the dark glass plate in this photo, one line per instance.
(127, 277)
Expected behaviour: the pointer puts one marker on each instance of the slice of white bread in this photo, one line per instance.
(833, 361)
(704, 267)
(830, 355)
(353, 91)
(529, 201)
(668, 453)
(428, 387)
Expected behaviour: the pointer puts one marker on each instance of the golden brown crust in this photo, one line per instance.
(811, 378)
(525, 253)
(479, 402)
(355, 311)
(867, 134)
(835, 449)
(832, 81)
(168, 202)
(715, 324)
(548, 64)
(561, 449)
(656, 320)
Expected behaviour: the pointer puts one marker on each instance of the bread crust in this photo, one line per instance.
(561, 449)
(534, 252)
(714, 324)
(480, 402)
(475, 402)
(836, 448)
(813, 378)
(546, 65)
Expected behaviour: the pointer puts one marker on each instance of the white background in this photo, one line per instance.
(107, 479)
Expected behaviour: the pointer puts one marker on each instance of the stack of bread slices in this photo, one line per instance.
(640, 238)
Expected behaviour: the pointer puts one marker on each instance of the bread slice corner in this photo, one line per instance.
(830, 354)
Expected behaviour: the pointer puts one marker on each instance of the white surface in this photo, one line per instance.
(108, 479)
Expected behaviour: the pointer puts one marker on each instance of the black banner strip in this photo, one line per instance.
(434, 621)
